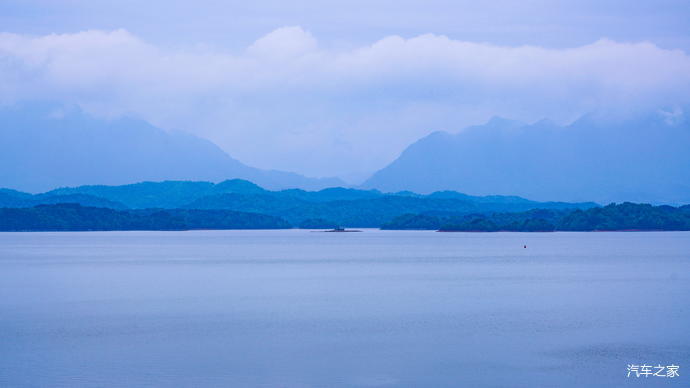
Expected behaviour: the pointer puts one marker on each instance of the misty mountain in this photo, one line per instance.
(643, 160)
(44, 146)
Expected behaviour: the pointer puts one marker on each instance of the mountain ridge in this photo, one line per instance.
(43, 146)
(591, 159)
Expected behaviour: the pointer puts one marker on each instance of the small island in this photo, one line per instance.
(340, 229)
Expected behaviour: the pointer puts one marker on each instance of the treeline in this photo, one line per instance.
(625, 216)
(333, 206)
(75, 217)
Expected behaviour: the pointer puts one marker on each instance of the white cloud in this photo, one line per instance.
(285, 103)
(284, 43)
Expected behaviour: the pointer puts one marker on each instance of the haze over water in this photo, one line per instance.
(294, 308)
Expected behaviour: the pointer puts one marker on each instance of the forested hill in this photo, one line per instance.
(74, 217)
(332, 206)
(625, 216)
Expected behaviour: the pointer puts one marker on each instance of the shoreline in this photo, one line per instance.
(345, 231)
(553, 231)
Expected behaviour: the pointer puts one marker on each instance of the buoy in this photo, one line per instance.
(525, 246)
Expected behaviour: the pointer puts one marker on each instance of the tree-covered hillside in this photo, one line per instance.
(369, 213)
(338, 205)
(625, 216)
(74, 217)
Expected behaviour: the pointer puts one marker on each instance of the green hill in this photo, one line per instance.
(625, 216)
(74, 217)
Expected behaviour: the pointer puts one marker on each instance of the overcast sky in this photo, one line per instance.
(341, 87)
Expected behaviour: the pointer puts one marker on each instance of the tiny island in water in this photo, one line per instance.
(240, 204)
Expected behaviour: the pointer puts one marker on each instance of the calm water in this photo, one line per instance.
(300, 309)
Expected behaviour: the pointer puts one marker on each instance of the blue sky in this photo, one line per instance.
(341, 87)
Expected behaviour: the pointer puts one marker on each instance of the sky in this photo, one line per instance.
(340, 88)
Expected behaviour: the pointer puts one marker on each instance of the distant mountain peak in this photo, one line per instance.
(41, 150)
(596, 158)
(503, 123)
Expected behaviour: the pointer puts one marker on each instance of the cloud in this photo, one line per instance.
(284, 43)
(286, 103)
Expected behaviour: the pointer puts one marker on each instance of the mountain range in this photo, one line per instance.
(645, 159)
(44, 146)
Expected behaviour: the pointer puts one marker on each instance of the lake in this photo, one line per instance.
(294, 308)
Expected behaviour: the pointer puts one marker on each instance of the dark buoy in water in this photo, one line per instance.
(524, 246)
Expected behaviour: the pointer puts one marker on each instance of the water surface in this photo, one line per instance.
(374, 309)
